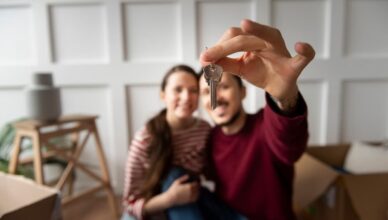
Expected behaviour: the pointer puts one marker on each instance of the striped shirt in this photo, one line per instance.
(188, 152)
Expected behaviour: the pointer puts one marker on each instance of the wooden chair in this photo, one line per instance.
(71, 125)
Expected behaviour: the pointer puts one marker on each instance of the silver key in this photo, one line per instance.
(213, 75)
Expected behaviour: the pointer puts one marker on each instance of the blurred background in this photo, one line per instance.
(108, 57)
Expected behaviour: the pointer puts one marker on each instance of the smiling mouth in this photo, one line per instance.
(221, 108)
(221, 103)
(185, 106)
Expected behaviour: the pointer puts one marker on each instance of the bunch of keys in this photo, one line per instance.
(213, 74)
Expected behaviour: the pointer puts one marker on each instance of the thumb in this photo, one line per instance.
(305, 54)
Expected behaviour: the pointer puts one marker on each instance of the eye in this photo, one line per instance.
(224, 86)
(193, 90)
(178, 89)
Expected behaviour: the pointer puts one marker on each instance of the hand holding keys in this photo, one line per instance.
(213, 74)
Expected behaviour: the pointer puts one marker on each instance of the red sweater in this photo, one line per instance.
(255, 167)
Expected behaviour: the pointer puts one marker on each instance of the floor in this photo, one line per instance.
(92, 208)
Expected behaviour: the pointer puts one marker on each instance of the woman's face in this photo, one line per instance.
(180, 95)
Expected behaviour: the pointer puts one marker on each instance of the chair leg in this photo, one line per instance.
(105, 171)
(70, 183)
(38, 169)
(15, 154)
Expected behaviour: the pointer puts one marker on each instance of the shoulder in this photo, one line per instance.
(255, 118)
(142, 133)
(201, 127)
(203, 124)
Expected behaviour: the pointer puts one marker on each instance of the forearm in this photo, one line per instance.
(157, 204)
(287, 134)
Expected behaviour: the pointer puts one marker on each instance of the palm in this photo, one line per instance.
(269, 70)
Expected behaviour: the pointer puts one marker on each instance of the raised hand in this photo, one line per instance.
(266, 62)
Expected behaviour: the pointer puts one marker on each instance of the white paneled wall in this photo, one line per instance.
(313, 91)
(108, 57)
(152, 31)
(214, 17)
(12, 103)
(366, 29)
(302, 21)
(143, 101)
(87, 45)
(365, 109)
(17, 40)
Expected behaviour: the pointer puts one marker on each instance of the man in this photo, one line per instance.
(253, 156)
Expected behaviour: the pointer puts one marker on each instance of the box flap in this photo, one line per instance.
(333, 155)
(366, 158)
(42, 209)
(312, 178)
(24, 199)
(368, 194)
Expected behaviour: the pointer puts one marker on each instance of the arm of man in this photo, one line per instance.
(286, 132)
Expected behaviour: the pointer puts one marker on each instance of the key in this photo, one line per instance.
(213, 74)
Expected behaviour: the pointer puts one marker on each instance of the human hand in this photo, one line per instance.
(266, 62)
(181, 193)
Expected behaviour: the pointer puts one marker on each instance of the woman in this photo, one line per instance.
(164, 152)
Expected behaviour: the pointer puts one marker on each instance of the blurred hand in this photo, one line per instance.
(266, 62)
(181, 193)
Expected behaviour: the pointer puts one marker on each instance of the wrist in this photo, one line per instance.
(288, 103)
(168, 199)
(157, 203)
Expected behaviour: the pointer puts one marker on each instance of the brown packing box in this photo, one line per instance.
(21, 198)
(323, 192)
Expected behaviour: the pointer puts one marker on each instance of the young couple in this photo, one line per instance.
(250, 157)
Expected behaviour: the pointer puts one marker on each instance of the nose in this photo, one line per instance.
(185, 95)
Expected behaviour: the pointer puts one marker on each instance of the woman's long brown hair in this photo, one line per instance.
(160, 149)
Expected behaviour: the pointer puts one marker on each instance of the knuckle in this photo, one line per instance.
(277, 32)
(232, 31)
(240, 39)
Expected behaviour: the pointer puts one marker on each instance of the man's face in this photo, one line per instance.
(229, 99)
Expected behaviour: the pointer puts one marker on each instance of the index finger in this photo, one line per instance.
(267, 33)
(230, 33)
(240, 43)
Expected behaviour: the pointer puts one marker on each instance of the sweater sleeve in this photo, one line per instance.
(286, 135)
(134, 174)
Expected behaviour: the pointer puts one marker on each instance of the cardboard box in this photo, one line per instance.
(323, 190)
(21, 198)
